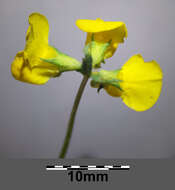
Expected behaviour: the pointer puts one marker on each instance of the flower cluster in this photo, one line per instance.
(137, 83)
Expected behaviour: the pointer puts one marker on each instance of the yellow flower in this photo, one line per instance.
(103, 32)
(27, 65)
(141, 83)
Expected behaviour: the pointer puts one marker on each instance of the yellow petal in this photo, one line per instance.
(21, 71)
(37, 40)
(38, 28)
(141, 83)
(17, 65)
(30, 76)
(141, 96)
(40, 74)
(98, 25)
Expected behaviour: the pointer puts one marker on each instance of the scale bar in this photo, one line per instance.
(88, 167)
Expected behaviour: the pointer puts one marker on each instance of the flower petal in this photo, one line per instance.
(141, 83)
(17, 65)
(31, 76)
(38, 28)
(40, 74)
(98, 25)
(141, 96)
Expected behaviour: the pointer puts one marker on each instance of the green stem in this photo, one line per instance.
(72, 117)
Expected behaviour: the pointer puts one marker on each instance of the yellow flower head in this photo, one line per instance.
(141, 83)
(104, 32)
(27, 65)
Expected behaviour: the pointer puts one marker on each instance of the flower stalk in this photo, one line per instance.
(71, 121)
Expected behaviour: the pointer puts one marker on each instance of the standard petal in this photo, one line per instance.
(38, 28)
(141, 83)
(98, 25)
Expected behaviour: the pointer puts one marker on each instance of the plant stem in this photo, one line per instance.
(72, 117)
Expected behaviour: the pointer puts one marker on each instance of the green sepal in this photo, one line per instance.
(97, 51)
(105, 78)
(64, 62)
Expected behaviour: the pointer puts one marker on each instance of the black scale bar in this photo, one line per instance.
(66, 166)
(88, 167)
